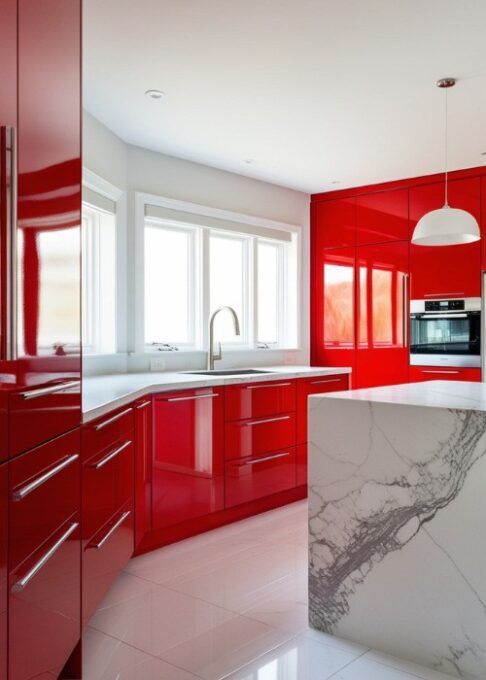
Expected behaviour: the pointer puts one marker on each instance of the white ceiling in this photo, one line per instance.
(315, 91)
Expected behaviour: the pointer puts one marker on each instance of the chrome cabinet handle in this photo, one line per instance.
(144, 404)
(265, 420)
(42, 479)
(262, 387)
(113, 419)
(405, 311)
(320, 382)
(101, 463)
(8, 268)
(442, 372)
(195, 396)
(111, 531)
(23, 582)
(263, 460)
(34, 394)
(442, 295)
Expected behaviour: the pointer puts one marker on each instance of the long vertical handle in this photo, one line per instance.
(8, 222)
(406, 312)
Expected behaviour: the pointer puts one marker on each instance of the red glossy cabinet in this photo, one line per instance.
(421, 373)
(382, 216)
(446, 271)
(335, 222)
(382, 304)
(249, 479)
(3, 568)
(259, 399)
(317, 385)
(188, 474)
(256, 436)
(143, 468)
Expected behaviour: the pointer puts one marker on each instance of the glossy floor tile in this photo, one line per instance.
(231, 603)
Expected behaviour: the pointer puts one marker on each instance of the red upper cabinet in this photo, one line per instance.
(445, 271)
(143, 468)
(335, 223)
(483, 223)
(382, 314)
(382, 217)
(188, 477)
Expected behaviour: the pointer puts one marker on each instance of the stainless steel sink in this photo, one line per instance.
(229, 371)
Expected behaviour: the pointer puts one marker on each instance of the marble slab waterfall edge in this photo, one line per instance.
(397, 523)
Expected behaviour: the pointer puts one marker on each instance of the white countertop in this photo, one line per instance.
(102, 394)
(450, 394)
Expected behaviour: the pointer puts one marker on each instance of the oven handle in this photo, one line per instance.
(443, 316)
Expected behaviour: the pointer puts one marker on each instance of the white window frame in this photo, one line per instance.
(141, 200)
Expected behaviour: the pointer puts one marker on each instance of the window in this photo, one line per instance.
(190, 270)
(99, 280)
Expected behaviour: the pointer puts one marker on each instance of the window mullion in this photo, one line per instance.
(253, 340)
(205, 288)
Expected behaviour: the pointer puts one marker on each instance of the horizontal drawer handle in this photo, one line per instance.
(111, 455)
(111, 531)
(113, 419)
(194, 396)
(442, 295)
(20, 585)
(144, 404)
(263, 421)
(320, 382)
(41, 392)
(262, 387)
(42, 479)
(263, 460)
(442, 372)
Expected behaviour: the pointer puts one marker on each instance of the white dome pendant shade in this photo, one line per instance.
(446, 226)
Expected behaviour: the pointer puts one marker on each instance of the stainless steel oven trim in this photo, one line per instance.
(456, 360)
(472, 304)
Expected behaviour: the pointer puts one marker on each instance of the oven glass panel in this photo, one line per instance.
(446, 336)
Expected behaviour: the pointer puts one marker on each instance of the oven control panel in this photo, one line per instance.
(444, 305)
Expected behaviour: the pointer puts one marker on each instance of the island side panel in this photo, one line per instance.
(397, 524)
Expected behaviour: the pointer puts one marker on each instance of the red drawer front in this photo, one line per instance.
(307, 386)
(104, 556)
(36, 417)
(301, 464)
(4, 454)
(107, 431)
(44, 613)
(421, 373)
(257, 400)
(254, 437)
(108, 483)
(44, 491)
(257, 477)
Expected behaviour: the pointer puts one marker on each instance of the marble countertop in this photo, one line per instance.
(102, 394)
(451, 394)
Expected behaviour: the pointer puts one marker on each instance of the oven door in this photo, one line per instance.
(452, 339)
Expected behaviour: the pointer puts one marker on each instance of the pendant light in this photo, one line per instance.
(446, 226)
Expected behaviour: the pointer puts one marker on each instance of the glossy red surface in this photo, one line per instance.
(101, 434)
(318, 385)
(188, 455)
(44, 617)
(421, 373)
(382, 216)
(38, 514)
(8, 62)
(254, 437)
(143, 468)
(382, 356)
(251, 478)
(336, 223)
(4, 451)
(257, 400)
(447, 271)
(301, 464)
(101, 565)
(3, 568)
(483, 224)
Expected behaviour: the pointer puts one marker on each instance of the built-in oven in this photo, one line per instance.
(445, 332)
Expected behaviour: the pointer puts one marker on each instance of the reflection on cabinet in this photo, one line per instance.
(382, 217)
(335, 223)
(247, 479)
(143, 468)
(3, 567)
(306, 387)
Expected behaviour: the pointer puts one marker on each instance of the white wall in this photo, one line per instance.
(135, 169)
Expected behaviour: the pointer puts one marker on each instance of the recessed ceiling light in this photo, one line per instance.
(335, 181)
(154, 94)
(249, 161)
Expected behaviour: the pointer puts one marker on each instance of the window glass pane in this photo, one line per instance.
(338, 304)
(167, 293)
(268, 292)
(382, 307)
(226, 284)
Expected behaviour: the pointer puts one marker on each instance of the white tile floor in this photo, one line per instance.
(231, 603)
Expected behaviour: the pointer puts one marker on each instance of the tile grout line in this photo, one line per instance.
(333, 675)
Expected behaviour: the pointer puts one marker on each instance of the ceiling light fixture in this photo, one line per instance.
(446, 226)
(249, 161)
(154, 94)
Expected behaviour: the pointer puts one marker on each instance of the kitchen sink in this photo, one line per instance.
(228, 371)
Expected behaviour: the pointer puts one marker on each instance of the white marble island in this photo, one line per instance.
(397, 521)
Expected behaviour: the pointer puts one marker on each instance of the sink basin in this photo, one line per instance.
(229, 371)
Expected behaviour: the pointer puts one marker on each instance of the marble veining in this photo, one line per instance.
(392, 502)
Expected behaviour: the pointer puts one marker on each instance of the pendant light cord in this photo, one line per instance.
(446, 204)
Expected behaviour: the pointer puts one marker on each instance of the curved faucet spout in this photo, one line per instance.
(236, 324)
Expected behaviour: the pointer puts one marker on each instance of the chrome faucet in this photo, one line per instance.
(211, 355)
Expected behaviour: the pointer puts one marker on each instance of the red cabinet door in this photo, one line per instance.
(335, 223)
(334, 309)
(445, 271)
(259, 399)
(422, 373)
(257, 436)
(317, 385)
(251, 478)
(3, 568)
(382, 314)
(382, 217)
(483, 223)
(188, 455)
(143, 468)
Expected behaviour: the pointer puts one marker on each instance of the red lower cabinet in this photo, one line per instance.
(143, 469)
(248, 479)
(44, 606)
(301, 464)
(254, 437)
(422, 373)
(188, 470)
(3, 568)
(257, 400)
(318, 385)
